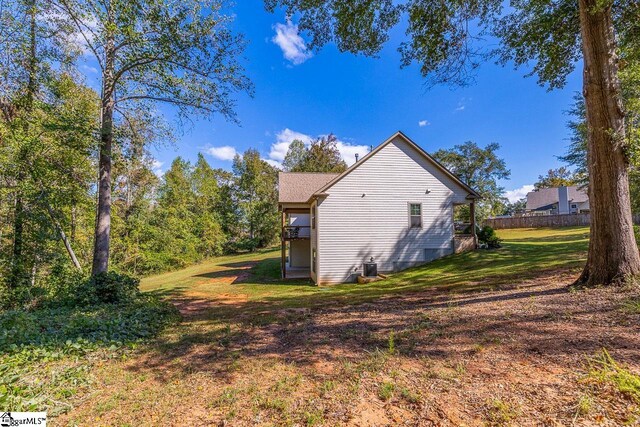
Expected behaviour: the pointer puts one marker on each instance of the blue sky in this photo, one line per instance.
(364, 100)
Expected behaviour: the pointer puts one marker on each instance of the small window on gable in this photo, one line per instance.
(415, 215)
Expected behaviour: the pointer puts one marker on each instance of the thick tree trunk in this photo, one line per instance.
(102, 236)
(103, 218)
(613, 254)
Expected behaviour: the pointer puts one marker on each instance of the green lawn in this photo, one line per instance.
(252, 281)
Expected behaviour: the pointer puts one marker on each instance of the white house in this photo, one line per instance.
(394, 205)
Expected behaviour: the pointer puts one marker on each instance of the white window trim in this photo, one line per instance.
(421, 214)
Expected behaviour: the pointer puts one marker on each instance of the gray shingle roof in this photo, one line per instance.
(298, 187)
(548, 196)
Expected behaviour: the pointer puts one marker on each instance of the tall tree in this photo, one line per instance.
(150, 51)
(49, 163)
(321, 156)
(255, 182)
(295, 155)
(557, 178)
(480, 168)
(444, 38)
(207, 194)
(227, 203)
(30, 48)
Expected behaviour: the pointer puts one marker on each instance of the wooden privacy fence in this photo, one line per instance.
(544, 221)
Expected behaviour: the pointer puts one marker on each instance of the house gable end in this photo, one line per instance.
(400, 139)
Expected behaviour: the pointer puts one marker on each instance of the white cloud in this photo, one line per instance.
(462, 104)
(423, 123)
(292, 45)
(76, 40)
(156, 167)
(226, 152)
(273, 163)
(349, 151)
(284, 138)
(89, 69)
(518, 193)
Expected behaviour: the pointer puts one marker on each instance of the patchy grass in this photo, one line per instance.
(385, 390)
(489, 337)
(631, 305)
(606, 371)
(612, 391)
(500, 412)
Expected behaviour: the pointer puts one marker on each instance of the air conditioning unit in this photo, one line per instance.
(370, 269)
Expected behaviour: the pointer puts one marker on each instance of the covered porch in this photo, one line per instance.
(295, 242)
(464, 219)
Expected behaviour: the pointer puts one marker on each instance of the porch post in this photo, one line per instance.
(283, 250)
(472, 219)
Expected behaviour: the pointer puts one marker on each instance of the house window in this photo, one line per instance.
(415, 215)
(313, 260)
(574, 206)
(313, 217)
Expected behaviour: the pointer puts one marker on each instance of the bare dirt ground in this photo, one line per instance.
(526, 354)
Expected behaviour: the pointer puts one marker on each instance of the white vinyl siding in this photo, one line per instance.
(314, 242)
(365, 214)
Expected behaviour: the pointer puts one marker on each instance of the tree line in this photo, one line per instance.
(56, 132)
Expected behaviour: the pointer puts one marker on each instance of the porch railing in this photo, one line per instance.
(462, 227)
(293, 232)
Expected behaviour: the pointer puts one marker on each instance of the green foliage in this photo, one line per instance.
(107, 288)
(631, 305)
(385, 390)
(391, 344)
(188, 216)
(560, 177)
(445, 38)
(604, 370)
(46, 354)
(181, 53)
(321, 156)
(501, 412)
(45, 154)
(515, 207)
(480, 168)
(295, 155)
(100, 324)
(256, 192)
(487, 236)
(576, 154)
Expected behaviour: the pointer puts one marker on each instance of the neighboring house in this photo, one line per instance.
(557, 201)
(395, 205)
